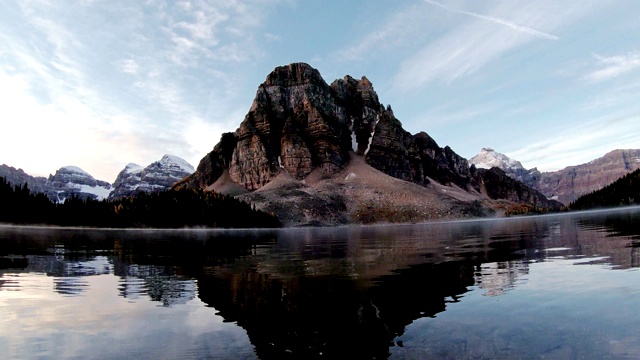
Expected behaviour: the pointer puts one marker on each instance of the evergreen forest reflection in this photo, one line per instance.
(318, 293)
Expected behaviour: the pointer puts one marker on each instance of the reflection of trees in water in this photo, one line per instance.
(159, 283)
(69, 273)
(345, 293)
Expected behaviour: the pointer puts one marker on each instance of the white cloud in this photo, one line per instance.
(613, 66)
(400, 29)
(272, 37)
(129, 66)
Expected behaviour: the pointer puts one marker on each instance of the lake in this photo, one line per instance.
(555, 287)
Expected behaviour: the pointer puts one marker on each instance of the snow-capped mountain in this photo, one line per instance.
(158, 176)
(71, 181)
(488, 158)
(568, 184)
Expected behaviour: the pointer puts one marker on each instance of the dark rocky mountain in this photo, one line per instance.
(157, 176)
(71, 181)
(299, 123)
(309, 149)
(19, 177)
(568, 184)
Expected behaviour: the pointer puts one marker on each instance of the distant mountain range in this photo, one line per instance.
(71, 181)
(570, 183)
(318, 154)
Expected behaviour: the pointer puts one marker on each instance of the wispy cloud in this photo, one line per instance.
(507, 23)
(613, 66)
(202, 30)
(129, 66)
(154, 77)
(400, 29)
(592, 139)
(470, 45)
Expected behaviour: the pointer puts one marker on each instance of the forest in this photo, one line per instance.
(167, 209)
(622, 192)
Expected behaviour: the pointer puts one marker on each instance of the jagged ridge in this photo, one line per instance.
(157, 176)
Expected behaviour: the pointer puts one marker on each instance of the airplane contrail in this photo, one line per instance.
(521, 28)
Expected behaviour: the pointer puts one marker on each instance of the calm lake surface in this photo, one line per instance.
(558, 287)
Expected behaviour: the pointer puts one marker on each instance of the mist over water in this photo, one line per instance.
(564, 286)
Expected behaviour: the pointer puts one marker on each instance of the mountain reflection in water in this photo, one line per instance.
(354, 292)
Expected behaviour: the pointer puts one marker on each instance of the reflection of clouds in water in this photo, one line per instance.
(43, 323)
(158, 283)
(499, 277)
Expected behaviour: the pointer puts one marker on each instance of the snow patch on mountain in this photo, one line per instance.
(70, 181)
(74, 169)
(157, 176)
(171, 160)
(132, 168)
(488, 158)
(100, 192)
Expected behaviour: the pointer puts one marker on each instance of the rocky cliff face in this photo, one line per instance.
(568, 184)
(158, 176)
(19, 177)
(299, 123)
(498, 185)
(300, 131)
(71, 181)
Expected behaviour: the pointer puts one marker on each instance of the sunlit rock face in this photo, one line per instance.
(70, 181)
(157, 176)
(570, 183)
(299, 123)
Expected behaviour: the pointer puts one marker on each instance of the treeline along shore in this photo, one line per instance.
(167, 209)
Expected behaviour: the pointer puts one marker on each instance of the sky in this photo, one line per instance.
(99, 84)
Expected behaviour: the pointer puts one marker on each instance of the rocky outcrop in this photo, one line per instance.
(70, 181)
(299, 123)
(499, 186)
(293, 152)
(157, 176)
(570, 183)
(19, 177)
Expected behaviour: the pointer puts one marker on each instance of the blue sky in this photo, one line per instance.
(98, 84)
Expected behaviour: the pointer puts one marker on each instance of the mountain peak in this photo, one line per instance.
(293, 74)
(180, 162)
(74, 169)
(488, 158)
(69, 181)
(157, 176)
